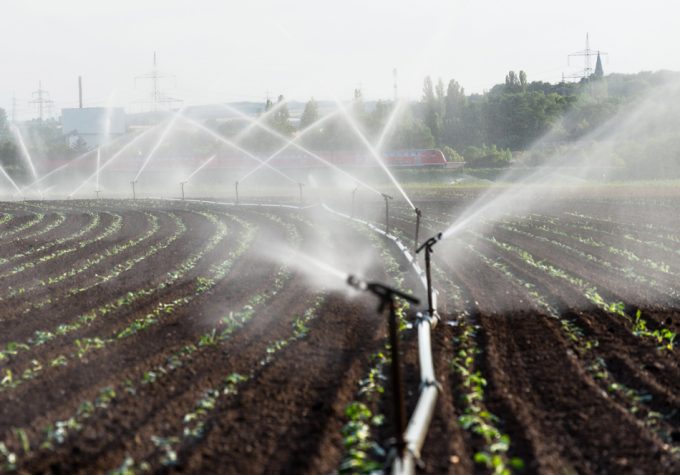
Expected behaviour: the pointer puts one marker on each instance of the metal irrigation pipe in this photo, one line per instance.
(427, 246)
(418, 215)
(387, 296)
(387, 212)
(134, 195)
(181, 184)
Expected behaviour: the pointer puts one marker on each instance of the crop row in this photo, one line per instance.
(635, 401)
(227, 325)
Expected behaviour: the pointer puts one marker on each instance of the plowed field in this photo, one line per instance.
(156, 336)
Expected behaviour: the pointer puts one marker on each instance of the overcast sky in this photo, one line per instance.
(238, 50)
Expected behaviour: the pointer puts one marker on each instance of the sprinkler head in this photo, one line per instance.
(356, 282)
(419, 212)
(429, 243)
(386, 196)
(385, 293)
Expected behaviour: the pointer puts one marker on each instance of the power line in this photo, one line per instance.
(587, 54)
(158, 100)
(41, 99)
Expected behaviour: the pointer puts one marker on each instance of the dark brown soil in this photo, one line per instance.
(560, 415)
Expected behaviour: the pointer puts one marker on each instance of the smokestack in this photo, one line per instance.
(80, 92)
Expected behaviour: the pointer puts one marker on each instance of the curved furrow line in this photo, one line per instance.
(331, 366)
(657, 274)
(612, 296)
(122, 315)
(58, 219)
(648, 252)
(75, 232)
(7, 237)
(603, 299)
(180, 360)
(111, 230)
(527, 355)
(51, 309)
(86, 274)
(595, 343)
(5, 218)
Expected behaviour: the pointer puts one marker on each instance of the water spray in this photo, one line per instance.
(387, 212)
(427, 246)
(300, 134)
(134, 195)
(9, 178)
(288, 141)
(374, 152)
(233, 145)
(387, 296)
(419, 213)
(300, 185)
(24, 150)
(111, 159)
(354, 192)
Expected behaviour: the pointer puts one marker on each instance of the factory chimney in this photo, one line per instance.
(80, 92)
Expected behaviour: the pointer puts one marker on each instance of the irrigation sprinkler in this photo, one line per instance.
(96, 192)
(181, 184)
(387, 296)
(354, 192)
(387, 212)
(419, 213)
(300, 185)
(236, 188)
(427, 246)
(134, 195)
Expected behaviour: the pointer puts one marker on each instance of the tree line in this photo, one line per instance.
(485, 130)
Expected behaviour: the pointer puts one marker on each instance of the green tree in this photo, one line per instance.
(454, 108)
(310, 114)
(281, 118)
(432, 108)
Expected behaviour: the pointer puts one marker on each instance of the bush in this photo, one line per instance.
(451, 155)
(487, 157)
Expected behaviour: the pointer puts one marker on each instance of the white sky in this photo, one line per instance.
(237, 50)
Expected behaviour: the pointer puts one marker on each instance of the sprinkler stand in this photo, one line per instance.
(418, 215)
(354, 192)
(181, 184)
(387, 212)
(96, 192)
(134, 195)
(427, 246)
(236, 188)
(387, 296)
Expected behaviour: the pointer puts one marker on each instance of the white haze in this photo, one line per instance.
(220, 51)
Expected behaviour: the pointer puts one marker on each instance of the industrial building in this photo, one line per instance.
(89, 125)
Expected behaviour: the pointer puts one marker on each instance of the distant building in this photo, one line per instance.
(89, 125)
(599, 71)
